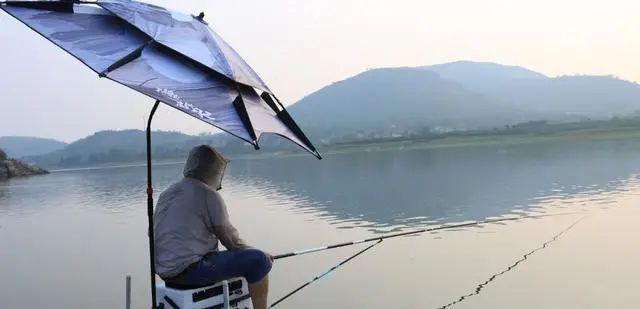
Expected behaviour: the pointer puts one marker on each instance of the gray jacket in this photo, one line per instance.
(191, 216)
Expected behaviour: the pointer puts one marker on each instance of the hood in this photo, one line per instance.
(207, 165)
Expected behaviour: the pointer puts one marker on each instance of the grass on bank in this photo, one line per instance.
(628, 129)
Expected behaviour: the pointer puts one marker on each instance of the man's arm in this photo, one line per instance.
(222, 227)
(230, 238)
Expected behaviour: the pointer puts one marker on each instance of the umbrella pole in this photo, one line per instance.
(152, 256)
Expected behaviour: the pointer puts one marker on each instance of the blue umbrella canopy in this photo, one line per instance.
(173, 57)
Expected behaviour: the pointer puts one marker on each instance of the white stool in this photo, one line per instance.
(228, 294)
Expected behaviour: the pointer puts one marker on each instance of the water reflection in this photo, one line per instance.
(378, 190)
(414, 187)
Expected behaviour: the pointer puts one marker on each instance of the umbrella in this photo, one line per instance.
(172, 57)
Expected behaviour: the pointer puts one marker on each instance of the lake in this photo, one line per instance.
(68, 239)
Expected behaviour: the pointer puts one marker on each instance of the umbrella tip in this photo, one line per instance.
(200, 18)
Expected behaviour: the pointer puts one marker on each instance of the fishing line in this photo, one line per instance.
(512, 266)
(326, 272)
(381, 238)
(444, 227)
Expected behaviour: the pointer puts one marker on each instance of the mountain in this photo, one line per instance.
(20, 146)
(457, 96)
(564, 97)
(482, 76)
(398, 99)
(570, 97)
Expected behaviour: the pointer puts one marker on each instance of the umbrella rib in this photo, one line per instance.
(314, 153)
(284, 116)
(241, 109)
(135, 54)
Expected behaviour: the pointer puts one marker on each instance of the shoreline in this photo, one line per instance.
(12, 168)
(437, 142)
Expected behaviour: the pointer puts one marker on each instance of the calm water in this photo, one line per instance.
(68, 239)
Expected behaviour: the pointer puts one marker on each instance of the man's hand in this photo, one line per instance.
(270, 257)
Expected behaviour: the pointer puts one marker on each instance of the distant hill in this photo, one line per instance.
(571, 97)
(130, 145)
(392, 101)
(460, 95)
(482, 76)
(565, 97)
(114, 146)
(20, 146)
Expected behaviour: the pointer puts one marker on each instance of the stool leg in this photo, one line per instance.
(225, 294)
(127, 300)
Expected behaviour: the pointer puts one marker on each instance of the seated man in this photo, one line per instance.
(190, 218)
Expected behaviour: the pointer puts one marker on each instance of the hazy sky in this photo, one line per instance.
(301, 46)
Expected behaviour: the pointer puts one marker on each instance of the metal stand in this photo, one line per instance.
(152, 254)
(127, 299)
(225, 294)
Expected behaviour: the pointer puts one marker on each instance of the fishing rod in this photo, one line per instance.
(444, 227)
(324, 273)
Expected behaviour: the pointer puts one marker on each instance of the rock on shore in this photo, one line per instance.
(13, 168)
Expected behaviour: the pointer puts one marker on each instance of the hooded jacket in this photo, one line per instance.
(191, 217)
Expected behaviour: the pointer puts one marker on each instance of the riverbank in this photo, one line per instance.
(501, 138)
(14, 168)
(611, 130)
